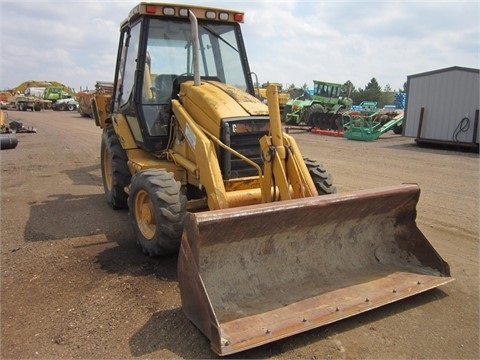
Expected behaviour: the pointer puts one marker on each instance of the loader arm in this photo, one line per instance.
(207, 167)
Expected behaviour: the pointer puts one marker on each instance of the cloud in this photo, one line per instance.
(388, 40)
(292, 42)
(73, 42)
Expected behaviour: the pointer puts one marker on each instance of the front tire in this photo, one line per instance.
(321, 178)
(157, 210)
(115, 173)
(286, 109)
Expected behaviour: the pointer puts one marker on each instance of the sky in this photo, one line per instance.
(288, 41)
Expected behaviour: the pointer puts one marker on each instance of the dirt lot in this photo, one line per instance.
(75, 285)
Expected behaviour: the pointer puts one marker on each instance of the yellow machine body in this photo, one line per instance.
(262, 256)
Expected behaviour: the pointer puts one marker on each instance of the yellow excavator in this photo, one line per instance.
(267, 247)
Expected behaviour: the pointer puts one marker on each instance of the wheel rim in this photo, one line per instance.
(107, 169)
(145, 215)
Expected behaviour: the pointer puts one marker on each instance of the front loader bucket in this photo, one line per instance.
(255, 274)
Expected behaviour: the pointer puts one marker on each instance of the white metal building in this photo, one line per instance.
(443, 106)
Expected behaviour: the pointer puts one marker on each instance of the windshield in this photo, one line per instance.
(169, 51)
(328, 90)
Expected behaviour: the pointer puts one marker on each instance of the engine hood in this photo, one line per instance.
(211, 102)
(219, 101)
(249, 103)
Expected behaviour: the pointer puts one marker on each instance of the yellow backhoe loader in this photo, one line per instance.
(267, 248)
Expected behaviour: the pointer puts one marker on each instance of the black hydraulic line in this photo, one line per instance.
(462, 126)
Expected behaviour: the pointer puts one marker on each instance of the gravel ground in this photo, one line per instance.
(75, 285)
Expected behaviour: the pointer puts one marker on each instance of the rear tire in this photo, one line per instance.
(287, 110)
(70, 107)
(157, 211)
(115, 173)
(321, 178)
(313, 115)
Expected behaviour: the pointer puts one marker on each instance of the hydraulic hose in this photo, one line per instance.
(462, 126)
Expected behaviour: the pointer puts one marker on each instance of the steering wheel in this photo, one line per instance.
(183, 74)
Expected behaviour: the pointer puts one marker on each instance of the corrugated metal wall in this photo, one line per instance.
(447, 96)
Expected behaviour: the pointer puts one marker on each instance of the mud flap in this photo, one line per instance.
(256, 274)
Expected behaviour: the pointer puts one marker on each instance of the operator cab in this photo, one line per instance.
(155, 55)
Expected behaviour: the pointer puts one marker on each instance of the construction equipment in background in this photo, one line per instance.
(7, 139)
(4, 95)
(365, 108)
(85, 97)
(45, 92)
(4, 128)
(56, 93)
(369, 127)
(320, 110)
(204, 169)
(8, 127)
(359, 112)
(65, 104)
(36, 84)
(283, 96)
(23, 102)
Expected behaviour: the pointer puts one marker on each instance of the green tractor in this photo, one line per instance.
(54, 93)
(322, 109)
